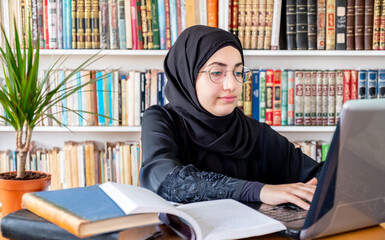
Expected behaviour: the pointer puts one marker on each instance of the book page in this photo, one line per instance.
(229, 219)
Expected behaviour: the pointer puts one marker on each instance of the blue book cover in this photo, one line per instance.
(122, 25)
(362, 77)
(255, 87)
(381, 83)
(162, 24)
(67, 24)
(64, 118)
(100, 98)
(160, 88)
(110, 80)
(371, 84)
(80, 101)
(173, 21)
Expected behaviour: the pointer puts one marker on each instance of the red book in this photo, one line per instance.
(277, 98)
(134, 25)
(353, 84)
(346, 85)
(178, 17)
(94, 103)
(46, 35)
(212, 13)
(269, 96)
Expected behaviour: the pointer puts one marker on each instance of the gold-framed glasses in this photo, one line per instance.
(218, 74)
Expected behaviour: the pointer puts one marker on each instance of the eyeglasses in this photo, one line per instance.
(218, 75)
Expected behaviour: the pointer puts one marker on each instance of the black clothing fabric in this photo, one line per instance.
(169, 152)
(230, 135)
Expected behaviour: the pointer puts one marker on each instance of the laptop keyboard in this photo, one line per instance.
(287, 212)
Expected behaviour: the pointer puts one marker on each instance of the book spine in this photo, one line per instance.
(46, 25)
(290, 100)
(150, 33)
(80, 31)
(155, 24)
(331, 25)
(359, 15)
(100, 98)
(241, 21)
(248, 97)
(113, 24)
(87, 24)
(319, 98)
(340, 24)
(248, 18)
(291, 15)
(346, 87)
(276, 25)
(40, 23)
(134, 26)
(307, 111)
(162, 24)
(95, 34)
(262, 91)
(284, 112)
(67, 24)
(371, 84)
(299, 98)
(104, 32)
(376, 24)
(127, 17)
(212, 13)
(173, 21)
(143, 16)
(277, 98)
(234, 16)
(256, 95)
(269, 96)
(254, 23)
(382, 33)
(168, 24)
(34, 22)
(354, 84)
(321, 27)
(139, 25)
(314, 98)
(261, 24)
(381, 83)
(302, 25)
(350, 25)
(74, 23)
(332, 98)
(368, 24)
(312, 24)
(339, 93)
(52, 24)
(268, 24)
(362, 78)
(325, 94)
(122, 25)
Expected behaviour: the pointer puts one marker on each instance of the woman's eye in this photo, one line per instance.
(216, 73)
(238, 74)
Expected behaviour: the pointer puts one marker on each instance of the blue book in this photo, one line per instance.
(110, 80)
(80, 101)
(381, 83)
(173, 21)
(64, 118)
(362, 77)
(122, 24)
(160, 76)
(255, 100)
(100, 98)
(371, 84)
(67, 24)
(162, 24)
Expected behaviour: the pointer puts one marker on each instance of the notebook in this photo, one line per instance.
(350, 193)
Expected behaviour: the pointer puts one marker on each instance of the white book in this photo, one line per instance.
(127, 6)
(332, 98)
(81, 165)
(314, 98)
(115, 98)
(325, 91)
(339, 93)
(307, 100)
(52, 24)
(130, 95)
(319, 98)
(137, 99)
(203, 12)
(299, 98)
(223, 14)
(276, 25)
(183, 14)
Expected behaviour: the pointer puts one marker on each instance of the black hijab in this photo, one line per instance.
(234, 135)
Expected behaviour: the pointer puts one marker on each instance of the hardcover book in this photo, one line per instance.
(312, 24)
(299, 98)
(332, 98)
(109, 207)
(284, 83)
(277, 98)
(381, 83)
(359, 17)
(262, 91)
(321, 29)
(362, 78)
(307, 100)
(350, 25)
(371, 84)
(368, 24)
(302, 25)
(341, 25)
(291, 28)
(256, 94)
(290, 100)
(269, 96)
(330, 25)
(376, 24)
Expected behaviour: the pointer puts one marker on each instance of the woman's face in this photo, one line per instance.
(220, 99)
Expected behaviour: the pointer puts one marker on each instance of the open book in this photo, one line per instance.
(111, 206)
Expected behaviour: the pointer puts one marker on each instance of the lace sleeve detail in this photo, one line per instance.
(187, 184)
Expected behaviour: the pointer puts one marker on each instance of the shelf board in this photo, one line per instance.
(278, 53)
(108, 129)
(101, 129)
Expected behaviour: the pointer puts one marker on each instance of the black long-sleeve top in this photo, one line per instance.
(177, 169)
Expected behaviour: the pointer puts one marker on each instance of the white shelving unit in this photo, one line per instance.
(126, 60)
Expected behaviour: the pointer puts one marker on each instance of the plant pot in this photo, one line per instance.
(11, 191)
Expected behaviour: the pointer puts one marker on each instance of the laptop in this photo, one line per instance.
(350, 193)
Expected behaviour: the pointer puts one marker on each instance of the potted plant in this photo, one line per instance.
(25, 101)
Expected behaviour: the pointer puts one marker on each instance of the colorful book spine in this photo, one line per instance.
(104, 32)
(382, 26)
(330, 25)
(122, 25)
(212, 13)
(74, 22)
(64, 101)
(67, 25)
(368, 24)
(150, 33)
(284, 111)
(248, 96)
(162, 24)
(332, 98)
(100, 98)
(321, 21)
(359, 14)
(139, 25)
(339, 93)
(95, 24)
(80, 99)
(299, 98)
(312, 24)
(381, 83)
(354, 84)
(290, 100)
(80, 30)
(234, 16)
(46, 26)
(254, 23)
(371, 84)
(40, 23)
(307, 100)
(319, 98)
(262, 91)
(346, 87)
(277, 98)
(143, 17)
(155, 24)
(87, 24)
(268, 24)
(314, 98)
(168, 24)
(269, 96)
(134, 26)
(173, 21)
(256, 95)
(110, 91)
(52, 24)
(376, 24)
(362, 78)
(291, 29)
(113, 24)
(325, 93)
(261, 24)
(340, 24)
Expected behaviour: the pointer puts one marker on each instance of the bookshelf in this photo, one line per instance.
(125, 60)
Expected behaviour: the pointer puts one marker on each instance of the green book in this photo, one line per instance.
(262, 92)
(155, 24)
(325, 150)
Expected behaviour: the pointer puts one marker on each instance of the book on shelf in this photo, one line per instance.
(359, 20)
(368, 24)
(277, 98)
(312, 24)
(332, 98)
(111, 207)
(381, 83)
(362, 78)
(330, 25)
(340, 24)
(321, 21)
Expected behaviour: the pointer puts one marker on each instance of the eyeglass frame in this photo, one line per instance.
(225, 74)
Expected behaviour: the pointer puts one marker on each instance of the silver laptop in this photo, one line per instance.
(350, 193)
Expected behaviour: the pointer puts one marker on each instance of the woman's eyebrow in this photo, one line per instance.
(222, 64)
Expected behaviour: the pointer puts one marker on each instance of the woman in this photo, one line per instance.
(200, 146)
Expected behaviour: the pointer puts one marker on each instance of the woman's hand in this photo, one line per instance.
(294, 193)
